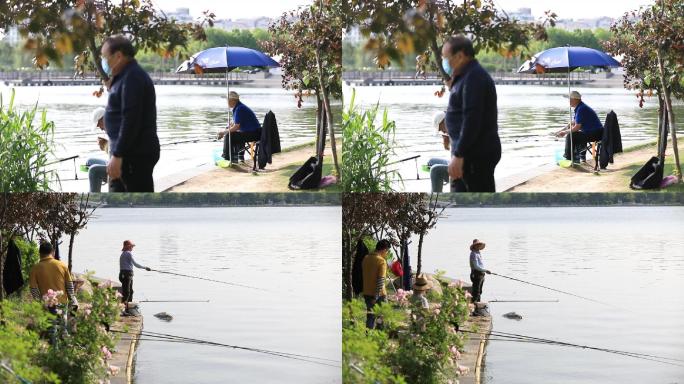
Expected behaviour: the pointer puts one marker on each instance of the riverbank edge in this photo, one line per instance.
(123, 355)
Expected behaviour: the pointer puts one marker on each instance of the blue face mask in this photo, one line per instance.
(105, 67)
(447, 66)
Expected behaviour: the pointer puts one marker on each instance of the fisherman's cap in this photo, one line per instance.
(98, 113)
(477, 244)
(438, 118)
(422, 283)
(127, 243)
(575, 95)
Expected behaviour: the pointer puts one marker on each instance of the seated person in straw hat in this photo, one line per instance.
(586, 127)
(244, 129)
(477, 269)
(420, 288)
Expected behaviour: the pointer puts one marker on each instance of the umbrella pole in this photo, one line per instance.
(572, 148)
(230, 112)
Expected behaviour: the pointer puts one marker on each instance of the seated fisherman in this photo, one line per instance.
(245, 129)
(97, 168)
(439, 167)
(586, 127)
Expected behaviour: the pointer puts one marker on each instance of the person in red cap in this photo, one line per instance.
(126, 264)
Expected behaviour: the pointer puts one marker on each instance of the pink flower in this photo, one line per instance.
(51, 298)
(113, 370)
(454, 352)
(468, 295)
(106, 353)
(462, 370)
(107, 284)
(456, 283)
(437, 311)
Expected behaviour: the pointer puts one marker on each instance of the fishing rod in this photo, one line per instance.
(514, 337)
(204, 139)
(523, 301)
(206, 279)
(557, 290)
(156, 336)
(173, 301)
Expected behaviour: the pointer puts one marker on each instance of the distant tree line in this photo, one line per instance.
(560, 199)
(215, 199)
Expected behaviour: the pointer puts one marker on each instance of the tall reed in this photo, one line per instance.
(25, 147)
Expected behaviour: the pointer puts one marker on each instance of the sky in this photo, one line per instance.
(575, 9)
(231, 9)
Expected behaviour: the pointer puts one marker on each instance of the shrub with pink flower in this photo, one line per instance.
(462, 370)
(105, 351)
(454, 352)
(401, 297)
(113, 370)
(51, 298)
(456, 284)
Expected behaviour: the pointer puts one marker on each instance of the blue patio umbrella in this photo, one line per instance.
(224, 60)
(564, 60)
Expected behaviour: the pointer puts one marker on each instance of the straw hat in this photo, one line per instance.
(422, 283)
(574, 95)
(233, 96)
(477, 244)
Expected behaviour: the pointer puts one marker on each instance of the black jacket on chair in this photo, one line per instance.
(611, 143)
(269, 142)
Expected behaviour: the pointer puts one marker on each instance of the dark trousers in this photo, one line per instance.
(238, 140)
(478, 176)
(126, 279)
(370, 316)
(477, 278)
(136, 175)
(580, 140)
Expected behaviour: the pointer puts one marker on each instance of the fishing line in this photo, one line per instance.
(212, 280)
(155, 336)
(524, 301)
(505, 336)
(173, 301)
(559, 291)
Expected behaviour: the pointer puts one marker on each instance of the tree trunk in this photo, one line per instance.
(420, 253)
(71, 247)
(670, 115)
(328, 113)
(661, 121)
(319, 120)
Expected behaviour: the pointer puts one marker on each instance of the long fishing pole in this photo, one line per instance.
(212, 280)
(155, 336)
(204, 139)
(173, 301)
(524, 338)
(523, 301)
(556, 290)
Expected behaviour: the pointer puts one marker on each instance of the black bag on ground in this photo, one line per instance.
(649, 176)
(308, 176)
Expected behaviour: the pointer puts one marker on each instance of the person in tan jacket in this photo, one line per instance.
(374, 269)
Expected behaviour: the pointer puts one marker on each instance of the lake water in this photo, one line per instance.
(183, 113)
(630, 257)
(292, 252)
(526, 115)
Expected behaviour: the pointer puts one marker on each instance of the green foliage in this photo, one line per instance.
(29, 256)
(364, 352)
(77, 356)
(415, 345)
(21, 348)
(367, 150)
(424, 354)
(25, 145)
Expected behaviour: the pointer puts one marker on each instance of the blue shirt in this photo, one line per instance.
(126, 262)
(131, 114)
(246, 118)
(588, 118)
(476, 262)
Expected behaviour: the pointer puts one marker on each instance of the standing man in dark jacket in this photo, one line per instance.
(471, 119)
(130, 119)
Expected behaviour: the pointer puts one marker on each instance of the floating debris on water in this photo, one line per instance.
(163, 316)
(509, 315)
